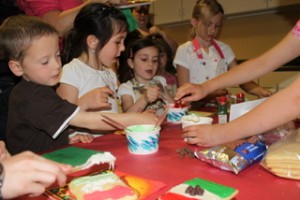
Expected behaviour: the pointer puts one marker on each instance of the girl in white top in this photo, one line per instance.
(142, 89)
(94, 44)
(204, 58)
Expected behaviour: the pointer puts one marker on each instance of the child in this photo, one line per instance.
(37, 116)
(204, 58)
(166, 68)
(143, 90)
(91, 47)
(277, 110)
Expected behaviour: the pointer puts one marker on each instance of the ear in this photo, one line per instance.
(194, 22)
(15, 67)
(92, 41)
(130, 63)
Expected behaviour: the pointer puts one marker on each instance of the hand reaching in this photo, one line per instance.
(29, 174)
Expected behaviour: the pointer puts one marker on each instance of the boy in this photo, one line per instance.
(37, 116)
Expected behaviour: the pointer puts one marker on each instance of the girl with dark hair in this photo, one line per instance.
(142, 88)
(91, 47)
(166, 67)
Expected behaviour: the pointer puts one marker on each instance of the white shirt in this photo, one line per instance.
(210, 66)
(84, 78)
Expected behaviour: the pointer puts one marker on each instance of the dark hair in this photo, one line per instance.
(100, 20)
(125, 73)
(213, 6)
(164, 47)
(17, 33)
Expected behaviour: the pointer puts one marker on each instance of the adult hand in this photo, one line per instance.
(4, 154)
(29, 174)
(190, 92)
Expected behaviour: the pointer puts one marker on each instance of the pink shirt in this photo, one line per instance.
(41, 7)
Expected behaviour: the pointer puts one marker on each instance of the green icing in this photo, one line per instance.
(142, 128)
(71, 155)
(215, 188)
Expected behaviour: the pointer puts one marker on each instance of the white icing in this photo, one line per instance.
(100, 158)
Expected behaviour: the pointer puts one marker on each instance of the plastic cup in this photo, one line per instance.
(175, 114)
(142, 139)
(193, 119)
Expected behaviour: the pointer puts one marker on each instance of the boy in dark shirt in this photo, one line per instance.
(37, 116)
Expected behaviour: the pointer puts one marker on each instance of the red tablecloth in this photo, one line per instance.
(166, 166)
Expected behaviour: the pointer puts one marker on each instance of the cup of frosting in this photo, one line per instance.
(175, 113)
(142, 139)
(193, 119)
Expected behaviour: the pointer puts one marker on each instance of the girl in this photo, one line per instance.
(92, 46)
(204, 58)
(143, 90)
(166, 68)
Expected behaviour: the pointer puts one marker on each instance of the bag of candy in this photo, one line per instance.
(234, 156)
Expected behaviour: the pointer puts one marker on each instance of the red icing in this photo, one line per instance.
(114, 193)
(173, 196)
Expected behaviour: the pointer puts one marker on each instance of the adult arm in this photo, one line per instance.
(287, 49)
(63, 20)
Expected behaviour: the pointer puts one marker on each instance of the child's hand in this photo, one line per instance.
(96, 99)
(84, 138)
(152, 94)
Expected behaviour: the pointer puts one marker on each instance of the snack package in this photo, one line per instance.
(234, 156)
(279, 133)
(283, 157)
(198, 188)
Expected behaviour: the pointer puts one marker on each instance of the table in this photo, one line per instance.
(166, 166)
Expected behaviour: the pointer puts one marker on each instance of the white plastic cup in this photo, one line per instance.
(142, 139)
(192, 119)
(175, 114)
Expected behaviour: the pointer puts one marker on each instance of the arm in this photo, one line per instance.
(93, 120)
(286, 50)
(285, 103)
(251, 87)
(63, 20)
(38, 174)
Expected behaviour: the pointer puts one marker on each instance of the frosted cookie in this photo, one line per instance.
(106, 186)
(199, 189)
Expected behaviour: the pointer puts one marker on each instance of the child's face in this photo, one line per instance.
(208, 28)
(41, 63)
(111, 51)
(145, 64)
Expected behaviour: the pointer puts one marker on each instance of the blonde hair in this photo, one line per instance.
(212, 6)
